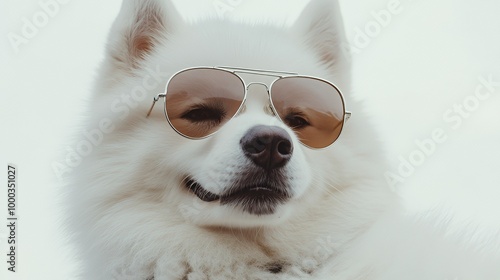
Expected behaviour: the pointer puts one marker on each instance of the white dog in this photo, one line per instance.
(228, 177)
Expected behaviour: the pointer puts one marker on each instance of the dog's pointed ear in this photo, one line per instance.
(322, 27)
(139, 27)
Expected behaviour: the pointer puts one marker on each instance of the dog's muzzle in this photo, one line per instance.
(264, 185)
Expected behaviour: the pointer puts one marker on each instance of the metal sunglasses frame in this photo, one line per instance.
(234, 70)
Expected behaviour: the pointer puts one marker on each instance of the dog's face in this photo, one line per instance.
(253, 171)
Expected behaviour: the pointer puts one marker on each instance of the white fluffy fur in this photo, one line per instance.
(133, 220)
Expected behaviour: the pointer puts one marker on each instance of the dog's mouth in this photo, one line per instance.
(256, 199)
(200, 192)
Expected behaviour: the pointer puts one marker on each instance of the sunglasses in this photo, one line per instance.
(199, 101)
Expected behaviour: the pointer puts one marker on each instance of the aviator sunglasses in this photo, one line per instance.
(199, 101)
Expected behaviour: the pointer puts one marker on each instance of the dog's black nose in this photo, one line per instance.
(269, 147)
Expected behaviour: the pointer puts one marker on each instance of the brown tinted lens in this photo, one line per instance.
(313, 108)
(199, 101)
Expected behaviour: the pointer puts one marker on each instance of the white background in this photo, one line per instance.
(426, 59)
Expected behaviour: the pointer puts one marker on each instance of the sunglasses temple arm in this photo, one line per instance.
(155, 99)
(347, 115)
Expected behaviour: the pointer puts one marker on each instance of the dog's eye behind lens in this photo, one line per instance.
(296, 121)
(204, 114)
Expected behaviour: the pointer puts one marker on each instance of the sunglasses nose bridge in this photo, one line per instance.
(257, 98)
(257, 83)
(256, 94)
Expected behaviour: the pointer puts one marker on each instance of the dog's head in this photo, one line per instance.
(253, 171)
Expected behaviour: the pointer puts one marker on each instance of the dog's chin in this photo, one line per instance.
(255, 199)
